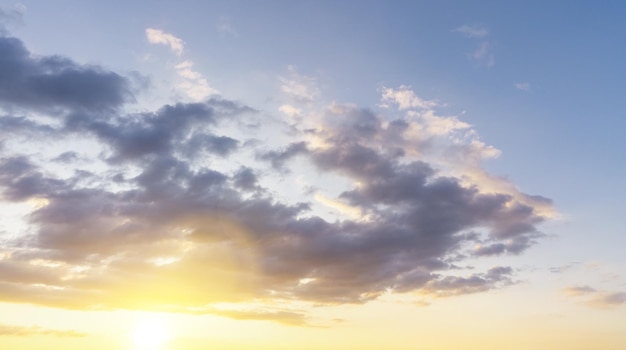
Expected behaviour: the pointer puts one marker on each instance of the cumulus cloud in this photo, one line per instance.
(157, 36)
(175, 212)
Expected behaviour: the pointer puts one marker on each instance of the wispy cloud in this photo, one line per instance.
(157, 36)
(298, 87)
(484, 54)
(225, 27)
(190, 82)
(523, 86)
(28, 331)
(472, 31)
(596, 298)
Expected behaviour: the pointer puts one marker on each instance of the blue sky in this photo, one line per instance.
(347, 107)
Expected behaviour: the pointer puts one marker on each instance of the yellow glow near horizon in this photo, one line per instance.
(151, 333)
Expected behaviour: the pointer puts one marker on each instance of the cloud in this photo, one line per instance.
(52, 83)
(12, 16)
(579, 290)
(169, 208)
(484, 54)
(472, 31)
(405, 98)
(453, 285)
(21, 331)
(523, 86)
(299, 88)
(157, 36)
(225, 27)
(609, 299)
(193, 84)
(596, 298)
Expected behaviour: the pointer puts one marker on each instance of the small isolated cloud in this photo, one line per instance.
(22, 331)
(579, 290)
(523, 86)
(472, 31)
(157, 36)
(225, 27)
(596, 298)
(484, 54)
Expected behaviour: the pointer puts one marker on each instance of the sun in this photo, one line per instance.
(151, 334)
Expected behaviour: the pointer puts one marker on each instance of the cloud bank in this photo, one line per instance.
(173, 209)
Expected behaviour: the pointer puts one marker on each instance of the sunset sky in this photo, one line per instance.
(186, 175)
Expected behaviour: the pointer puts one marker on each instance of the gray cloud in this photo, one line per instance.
(52, 82)
(163, 225)
(596, 298)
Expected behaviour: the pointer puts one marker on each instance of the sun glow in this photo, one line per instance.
(151, 333)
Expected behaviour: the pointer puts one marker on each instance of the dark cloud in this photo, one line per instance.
(51, 83)
(245, 179)
(278, 158)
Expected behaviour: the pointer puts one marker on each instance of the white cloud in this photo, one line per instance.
(405, 98)
(157, 36)
(193, 84)
(523, 86)
(290, 110)
(474, 31)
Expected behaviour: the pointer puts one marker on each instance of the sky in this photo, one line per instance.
(312, 175)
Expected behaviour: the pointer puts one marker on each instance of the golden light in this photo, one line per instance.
(151, 333)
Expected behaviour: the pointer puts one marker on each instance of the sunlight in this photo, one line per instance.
(151, 334)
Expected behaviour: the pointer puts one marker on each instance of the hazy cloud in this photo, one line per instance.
(405, 98)
(484, 54)
(21, 331)
(472, 31)
(596, 298)
(226, 27)
(523, 86)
